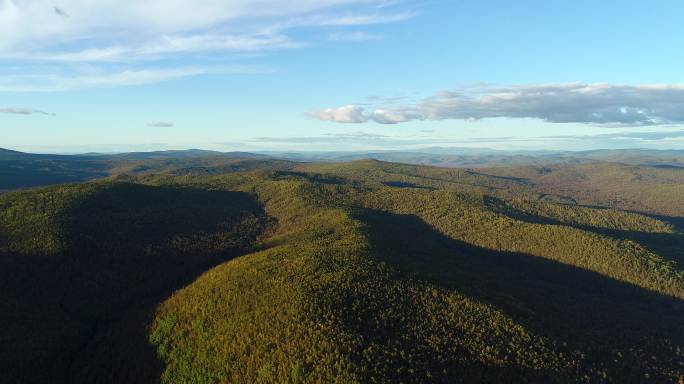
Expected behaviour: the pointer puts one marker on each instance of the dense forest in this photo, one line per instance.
(218, 269)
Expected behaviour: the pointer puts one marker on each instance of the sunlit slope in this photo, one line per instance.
(471, 219)
(652, 189)
(320, 305)
(648, 189)
(518, 195)
(377, 275)
(77, 262)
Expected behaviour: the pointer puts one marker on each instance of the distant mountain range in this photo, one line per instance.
(470, 157)
(20, 170)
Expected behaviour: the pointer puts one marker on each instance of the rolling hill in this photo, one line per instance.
(257, 270)
(484, 157)
(24, 170)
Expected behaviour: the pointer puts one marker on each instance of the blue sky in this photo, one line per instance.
(340, 74)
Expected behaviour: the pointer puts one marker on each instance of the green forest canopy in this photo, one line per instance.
(356, 272)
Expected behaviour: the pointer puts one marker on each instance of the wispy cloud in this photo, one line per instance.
(143, 35)
(166, 45)
(145, 29)
(24, 111)
(602, 104)
(132, 20)
(160, 124)
(354, 36)
(111, 78)
(348, 20)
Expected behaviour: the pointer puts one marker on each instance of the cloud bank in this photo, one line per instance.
(601, 103)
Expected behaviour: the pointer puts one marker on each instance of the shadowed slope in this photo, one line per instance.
(609, 329)
(80, 262)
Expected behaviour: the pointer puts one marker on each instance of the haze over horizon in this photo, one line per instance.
(340, 75)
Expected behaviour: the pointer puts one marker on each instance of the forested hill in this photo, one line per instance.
(23, 170)
(6, 154)
(262, 271)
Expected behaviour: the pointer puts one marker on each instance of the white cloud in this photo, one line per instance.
(346, 114)
(24, 111)
(357, 114)
(604, 104)
(394, 116)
